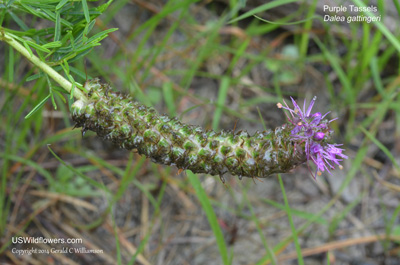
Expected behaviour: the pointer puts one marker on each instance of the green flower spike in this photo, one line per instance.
(167, 141)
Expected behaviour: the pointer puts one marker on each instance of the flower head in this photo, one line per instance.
(313, 131)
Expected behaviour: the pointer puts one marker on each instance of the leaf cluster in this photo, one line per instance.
(58, 32)
(65, 36)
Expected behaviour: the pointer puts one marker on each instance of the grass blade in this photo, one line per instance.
(385, 31)
(381, 146)
(262, 8)
(212, 218)
(289, 213)
(37, 107)
(222, 93)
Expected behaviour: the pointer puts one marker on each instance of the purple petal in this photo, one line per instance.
(325, 114)
(307, 114)
(296, 130)
(298, 108)
(316, 118)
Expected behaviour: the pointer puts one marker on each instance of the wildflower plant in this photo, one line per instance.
(304, 138)
(130, 125)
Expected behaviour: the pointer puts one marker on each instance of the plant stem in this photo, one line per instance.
(64, 83)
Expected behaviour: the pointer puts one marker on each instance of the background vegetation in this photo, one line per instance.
(214, 64)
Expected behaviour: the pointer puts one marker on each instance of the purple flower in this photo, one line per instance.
(319, 136)
(314, 131)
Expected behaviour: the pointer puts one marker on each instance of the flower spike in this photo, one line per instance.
(168, 141)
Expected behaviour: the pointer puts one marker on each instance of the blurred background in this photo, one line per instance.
(213, 64)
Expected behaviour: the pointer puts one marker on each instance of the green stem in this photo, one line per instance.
(64, 83)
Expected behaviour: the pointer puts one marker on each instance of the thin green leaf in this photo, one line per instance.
(298, 213)
(34, 11)
(142, 187)
(27, 48)
(80, 73)
(77, 172)
(86, 10)
(53, 44)
(376, 77)
(340, 215)
(51, 92)
(57, 92)
(86, 47)
(127, 179)
(85, 32)
(393, 219)
(212, 218)
(102, 8)
(11, 64)
(49, 14)
(292, 227)
(305, 36)
(256, 221)
(60, 89)
(287, 23)
(18, 21)
(57, 30)
(10, 2)
(238, 54)
(101, 35)
(66, 69)
(381, 146)
(46, 4)
(262, 8)
(61, 4)
(385, 31)
(36, 46)
(2, 15)
(397, 5)
(37, 107)
(338, 69)
(117, 243)
(169, 98)
(34, 77)
(222, 94)
(71, 79)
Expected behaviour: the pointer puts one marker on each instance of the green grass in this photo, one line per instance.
(292, 226)
(212, 218)
(213, 67)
